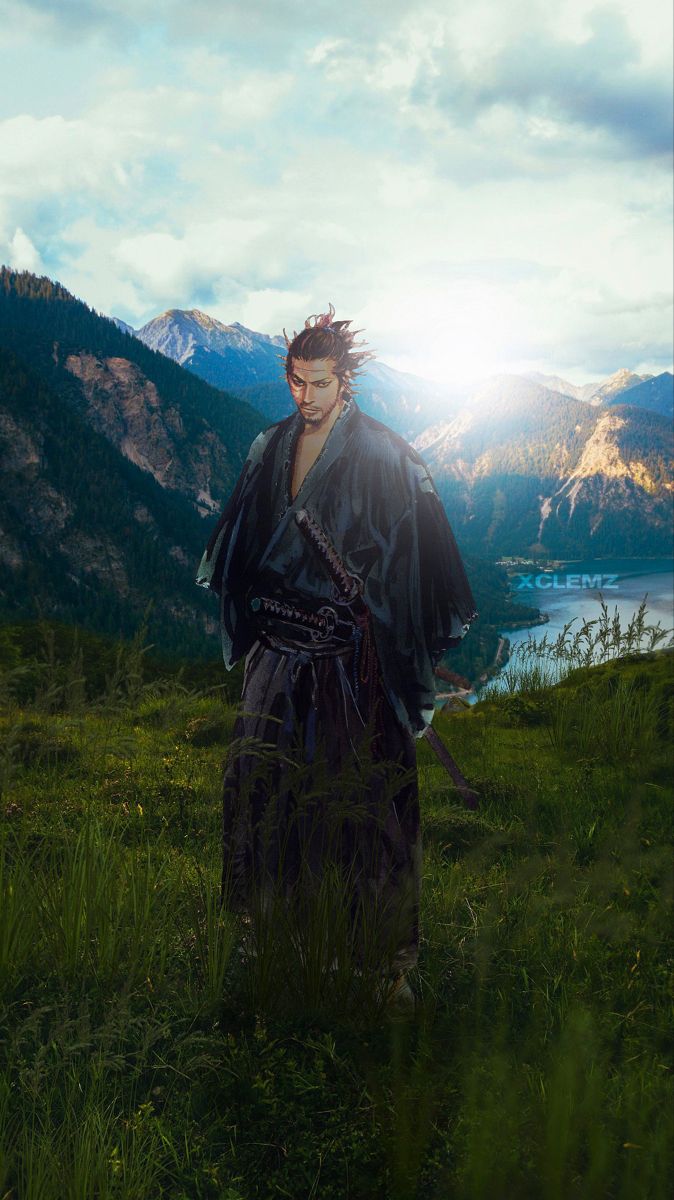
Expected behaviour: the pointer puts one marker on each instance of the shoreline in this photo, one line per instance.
(502, 655)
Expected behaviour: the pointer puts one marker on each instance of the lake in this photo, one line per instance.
(573, 590)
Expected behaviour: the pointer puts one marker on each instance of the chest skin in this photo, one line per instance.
(307, 451)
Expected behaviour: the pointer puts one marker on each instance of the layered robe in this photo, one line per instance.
(324, 745)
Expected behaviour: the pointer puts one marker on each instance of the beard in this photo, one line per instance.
(317, 418)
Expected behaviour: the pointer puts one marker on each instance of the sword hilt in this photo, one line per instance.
(320, 625)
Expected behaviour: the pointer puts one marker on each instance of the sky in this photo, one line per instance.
(481, 185)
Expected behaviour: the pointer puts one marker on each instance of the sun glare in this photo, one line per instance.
(465, 339)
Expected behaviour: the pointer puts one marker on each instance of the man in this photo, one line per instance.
(340, 580)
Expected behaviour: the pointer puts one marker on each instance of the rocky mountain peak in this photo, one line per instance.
(201, 318)
(622, 376)
(620, 381)
(124, 326)
(228, 356)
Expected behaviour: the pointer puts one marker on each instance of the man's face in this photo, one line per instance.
(315, 388)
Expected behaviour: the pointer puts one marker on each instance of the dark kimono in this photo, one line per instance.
(323, 767)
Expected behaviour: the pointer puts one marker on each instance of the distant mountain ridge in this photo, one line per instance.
(523, 468)
(227, 356)
(655, 393)
(524, 464)
(238, 359)
(616, 385)
(554, 383)
(608, 390)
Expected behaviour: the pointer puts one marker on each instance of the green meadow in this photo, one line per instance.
(146, 1052)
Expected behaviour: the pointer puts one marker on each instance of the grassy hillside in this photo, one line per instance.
(144, 1053)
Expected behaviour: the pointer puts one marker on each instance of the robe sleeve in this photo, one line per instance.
(447, 602)
(418, 594)
(211, 567)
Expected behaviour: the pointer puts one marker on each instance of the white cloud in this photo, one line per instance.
(54, 156)
(268, 308)
(163, 264)
(89, 269)
(323, 50)
(22, 254)
(416, 164)
(254, 96)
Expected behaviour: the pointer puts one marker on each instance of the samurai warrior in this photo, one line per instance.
(341, 583)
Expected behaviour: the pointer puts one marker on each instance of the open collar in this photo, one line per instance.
(335, 444)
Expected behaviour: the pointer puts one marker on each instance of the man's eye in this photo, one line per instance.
(322, 385)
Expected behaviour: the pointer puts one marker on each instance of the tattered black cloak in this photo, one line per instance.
(373, 496)
(322, 765)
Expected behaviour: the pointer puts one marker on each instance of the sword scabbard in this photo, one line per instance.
(349, 589)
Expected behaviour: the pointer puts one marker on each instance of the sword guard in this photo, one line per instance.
(330, 617)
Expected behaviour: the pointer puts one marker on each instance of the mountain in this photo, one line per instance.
(616, 384)
(524, 469)
(403, 401)
(226, 356)
(655, 393)
(524, 458)
(112, 455)
(86, 536)
(193, 438)
(554, 383)
(251, 365)
(123, 326)
(605, 392)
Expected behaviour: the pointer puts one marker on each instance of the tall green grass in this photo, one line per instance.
(153, 1044)
(539, 662)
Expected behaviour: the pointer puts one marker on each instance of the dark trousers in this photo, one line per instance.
(320, 771)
